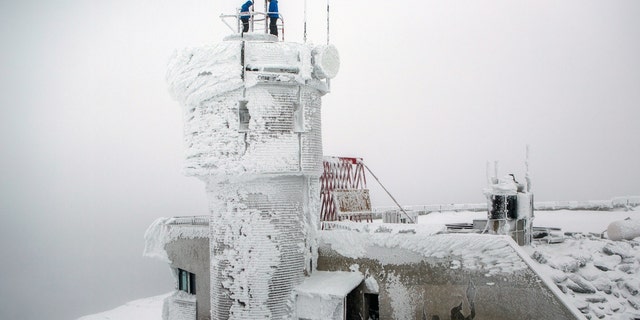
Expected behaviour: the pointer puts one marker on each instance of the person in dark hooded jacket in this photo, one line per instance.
(273, 17)
(244, 15)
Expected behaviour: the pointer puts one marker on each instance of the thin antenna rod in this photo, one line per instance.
(328, 22)
(252, 10)
(266, 17)
(305, 22)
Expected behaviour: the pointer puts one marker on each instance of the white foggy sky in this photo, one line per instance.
(428, 91)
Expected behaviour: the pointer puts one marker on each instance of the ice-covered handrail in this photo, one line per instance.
(601, 205)
(191, 220)
(254, 16)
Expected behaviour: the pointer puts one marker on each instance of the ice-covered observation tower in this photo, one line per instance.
(252, 133)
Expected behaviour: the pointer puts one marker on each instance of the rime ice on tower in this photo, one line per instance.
(252, 134)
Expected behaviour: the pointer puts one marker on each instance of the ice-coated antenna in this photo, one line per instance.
(266, 17)
(328, 22)
(304, 35)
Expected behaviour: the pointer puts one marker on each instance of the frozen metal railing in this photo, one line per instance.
(346, 225)
(599, 205)
(424, 209)
(190, 220)
(258, 22)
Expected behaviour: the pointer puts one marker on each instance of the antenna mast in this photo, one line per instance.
(327, 21)
(266, 17)
(305, 22)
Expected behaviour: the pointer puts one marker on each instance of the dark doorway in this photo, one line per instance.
(372, 306)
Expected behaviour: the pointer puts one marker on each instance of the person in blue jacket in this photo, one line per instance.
(273, 17)
(244, 15)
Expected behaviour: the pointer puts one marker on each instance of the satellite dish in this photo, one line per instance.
(326, 61)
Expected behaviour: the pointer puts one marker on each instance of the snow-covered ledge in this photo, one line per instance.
(322, 295)
(165, 230)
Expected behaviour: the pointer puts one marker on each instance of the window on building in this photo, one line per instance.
(186, 281)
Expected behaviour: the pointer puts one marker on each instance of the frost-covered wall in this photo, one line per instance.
(164, 231)
(252, 133)
(183, 242)
(179, 306)
(262, 244)
(419, 274)
(263, 119)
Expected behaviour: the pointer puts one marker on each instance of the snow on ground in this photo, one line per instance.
(601, 276)
(143, 309)
(582, 221)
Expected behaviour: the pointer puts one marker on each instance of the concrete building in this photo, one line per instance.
(400, 271)
(252, 109)
(411, 272)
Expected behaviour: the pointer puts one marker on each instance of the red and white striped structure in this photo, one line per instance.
(343, 190)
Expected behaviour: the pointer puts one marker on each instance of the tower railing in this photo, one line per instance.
(189, 220)
(258, 22)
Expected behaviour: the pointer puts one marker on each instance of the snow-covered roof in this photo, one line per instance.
(322, 295)
(165, 230)
(489, 253)
(330, 283)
